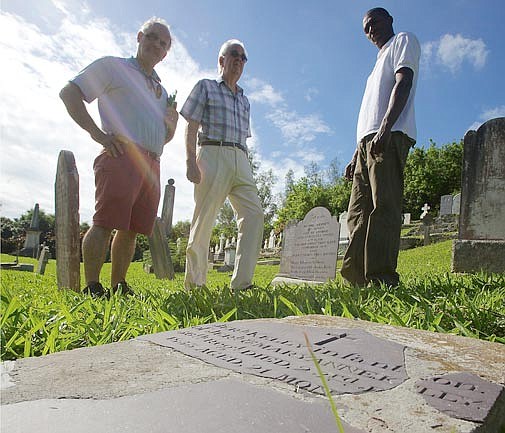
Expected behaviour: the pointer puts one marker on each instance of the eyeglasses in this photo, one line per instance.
(153, 37)
(235, 54)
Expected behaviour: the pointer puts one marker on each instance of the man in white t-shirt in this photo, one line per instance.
(386, 131)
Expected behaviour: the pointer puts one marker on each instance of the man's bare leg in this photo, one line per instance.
(122, 250)
(94, 248)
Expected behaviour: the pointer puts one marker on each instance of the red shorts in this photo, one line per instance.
(127, 191)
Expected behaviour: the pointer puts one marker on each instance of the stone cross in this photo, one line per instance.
(68, 248)
(425, 210)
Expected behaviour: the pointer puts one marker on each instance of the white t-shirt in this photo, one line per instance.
(402, 50)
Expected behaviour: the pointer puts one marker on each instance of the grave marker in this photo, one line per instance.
(43, 259)
(160, 252)
(456, 203)
(353, 360)
(168, 207)
(481, 240)
(446, 205)
(311, 249)
(33, 232)
(68, 246)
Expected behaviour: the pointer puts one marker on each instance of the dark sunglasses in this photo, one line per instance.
(235, 54)
(153, 37)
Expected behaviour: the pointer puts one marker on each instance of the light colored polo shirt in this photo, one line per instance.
(223, 115)
(402, 50)
(127, 100)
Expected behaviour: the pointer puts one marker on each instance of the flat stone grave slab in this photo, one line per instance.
(224, 406)
(141, 386)
(353, 360)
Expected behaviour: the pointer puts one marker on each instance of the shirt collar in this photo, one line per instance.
(220, 81)
(136, 65)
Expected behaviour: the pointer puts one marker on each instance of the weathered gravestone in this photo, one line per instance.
(167, 210)
(158, 241)
(68, 246)
(406, 218)
(481, 240)
(43, 259)
(446, 205)
(160, 252)
(310, 249)
(32, 235)
(456, 203)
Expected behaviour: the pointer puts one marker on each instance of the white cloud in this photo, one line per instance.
(297, 129)
(310, 93)
(451, 51)
(488, 114)
(262, 92)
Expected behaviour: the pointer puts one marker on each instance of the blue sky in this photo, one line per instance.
(308, 63)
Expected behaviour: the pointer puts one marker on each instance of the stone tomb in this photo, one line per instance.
(481, 240)
(309, 249)
(382, 377)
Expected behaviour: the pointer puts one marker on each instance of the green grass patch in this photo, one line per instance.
(37, 318)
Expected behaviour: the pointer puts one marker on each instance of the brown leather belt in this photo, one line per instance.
(223, 143)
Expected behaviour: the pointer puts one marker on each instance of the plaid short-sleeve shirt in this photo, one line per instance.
(223, 115)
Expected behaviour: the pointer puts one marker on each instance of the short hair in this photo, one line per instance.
(225, 47)
(380, 11)
(152, 21)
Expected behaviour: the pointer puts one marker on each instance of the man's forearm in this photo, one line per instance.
(72, 98)
(190, 138)
(398, 99)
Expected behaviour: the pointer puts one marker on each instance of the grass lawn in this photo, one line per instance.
(37, 318)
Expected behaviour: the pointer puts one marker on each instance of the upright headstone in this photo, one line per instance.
(160, 252)
(456, 203)
(32, 240)
(406, 218)
(313, 250)
(481, 240)
(43, 259)
(288, 243)
(344, 231)
(271, 240)
(68, 248)
(446, 205)
(167, 211)
(158, 241)
(219, 255)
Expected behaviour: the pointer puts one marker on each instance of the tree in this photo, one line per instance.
(14, 231)
(431, 173)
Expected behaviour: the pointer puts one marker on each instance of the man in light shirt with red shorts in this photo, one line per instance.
(137, 121)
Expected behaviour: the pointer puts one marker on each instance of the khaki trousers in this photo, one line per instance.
(226, 172)
(374, 216)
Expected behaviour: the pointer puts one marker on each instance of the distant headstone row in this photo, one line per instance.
(449, 204)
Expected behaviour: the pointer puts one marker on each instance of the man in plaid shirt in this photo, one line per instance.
(217, 112)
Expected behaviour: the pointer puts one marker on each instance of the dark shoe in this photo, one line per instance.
(249, 287)
(95, 289)
(123, 288)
